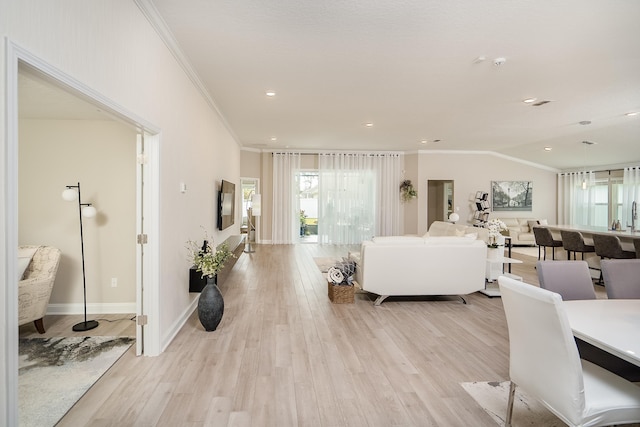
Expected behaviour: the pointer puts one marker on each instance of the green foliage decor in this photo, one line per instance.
(207, 260)
(407, 192)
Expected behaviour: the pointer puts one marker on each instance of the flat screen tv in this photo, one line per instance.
(226, 204)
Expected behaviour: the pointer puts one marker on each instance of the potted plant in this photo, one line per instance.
(407, 192)
(209, 262)
(303, 223)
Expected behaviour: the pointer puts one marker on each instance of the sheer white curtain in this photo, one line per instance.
(576, 206)
(286, 204)
(358, 196)
(630, 193)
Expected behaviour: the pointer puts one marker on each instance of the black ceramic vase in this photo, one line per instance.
(210, 306)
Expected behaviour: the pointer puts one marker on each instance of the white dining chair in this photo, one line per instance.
(545, 364)
(621, 278)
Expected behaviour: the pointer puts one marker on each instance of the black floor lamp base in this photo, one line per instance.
(85, 326)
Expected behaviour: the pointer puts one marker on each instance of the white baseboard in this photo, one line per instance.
(96, 308)
(178, 324)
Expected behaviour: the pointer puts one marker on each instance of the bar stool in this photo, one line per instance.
(608, 246)
(574, 242)
(636, 244)
(544, 239)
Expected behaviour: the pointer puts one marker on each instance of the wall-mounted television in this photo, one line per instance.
(226, 204)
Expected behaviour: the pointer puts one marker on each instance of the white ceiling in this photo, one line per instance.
(410, 67)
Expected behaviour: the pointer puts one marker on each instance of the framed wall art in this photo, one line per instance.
(512, 195)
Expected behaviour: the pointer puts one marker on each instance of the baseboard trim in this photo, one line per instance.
(179, 323)
(99, 308)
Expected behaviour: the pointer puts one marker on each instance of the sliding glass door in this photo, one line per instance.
(308, 184)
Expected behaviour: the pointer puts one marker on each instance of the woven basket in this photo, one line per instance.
(341, 294)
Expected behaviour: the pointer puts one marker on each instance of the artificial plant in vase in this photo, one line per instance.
(495, 228)
(209, 262)
(407, 192)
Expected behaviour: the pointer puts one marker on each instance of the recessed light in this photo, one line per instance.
(529, 100)
(424, 141)
(270, 93)
(548, 148)
(632, 113)
(585, 122)
(369, 124)
(273, 138)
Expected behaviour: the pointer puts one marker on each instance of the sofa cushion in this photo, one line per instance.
(448, 240)
(440, 228)
(533, 223)
(23, 263)
(392, 240)
(25, 254)
(511, 222)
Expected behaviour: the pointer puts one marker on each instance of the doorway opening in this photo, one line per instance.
(308, 198)
(440, 202)
(250, 225)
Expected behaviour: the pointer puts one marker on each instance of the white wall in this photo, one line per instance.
(110, 47)
(101, 155)
(473, 172)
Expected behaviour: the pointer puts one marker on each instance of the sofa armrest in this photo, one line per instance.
(33, 298)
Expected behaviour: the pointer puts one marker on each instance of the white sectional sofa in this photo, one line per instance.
(441, 228)
(521, 230)
(412, 265)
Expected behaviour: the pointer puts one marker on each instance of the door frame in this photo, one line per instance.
(16, 56)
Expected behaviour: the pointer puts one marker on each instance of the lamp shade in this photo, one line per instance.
(454, 217)
(256, 205)
(70, 194)
(89, 212)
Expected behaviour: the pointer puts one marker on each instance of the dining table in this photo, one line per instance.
(612, 325)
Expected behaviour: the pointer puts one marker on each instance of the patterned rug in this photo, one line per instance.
(55, 372)
(494, 396)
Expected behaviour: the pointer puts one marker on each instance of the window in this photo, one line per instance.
(608, 198)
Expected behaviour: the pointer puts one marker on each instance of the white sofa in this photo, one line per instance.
(441, 228)
(521, 230)
(404, 265)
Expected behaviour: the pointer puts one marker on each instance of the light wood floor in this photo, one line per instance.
(284, 355)
(114, 325)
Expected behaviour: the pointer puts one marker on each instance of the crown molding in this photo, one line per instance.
(491, 153)
(154, 18)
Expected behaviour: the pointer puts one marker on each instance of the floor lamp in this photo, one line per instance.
(84, 209)
(254, 209)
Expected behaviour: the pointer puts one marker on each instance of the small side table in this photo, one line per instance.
(495, 268)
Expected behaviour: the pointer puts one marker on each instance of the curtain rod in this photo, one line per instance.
(603, 170)
(334, 154)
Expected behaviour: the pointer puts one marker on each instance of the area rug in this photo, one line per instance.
(531, 251)
(54, 373)
(325, 263)
(494, 396)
